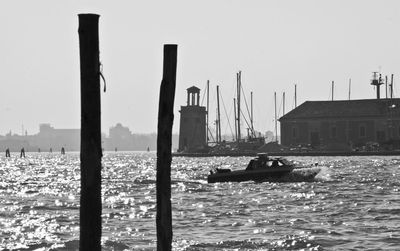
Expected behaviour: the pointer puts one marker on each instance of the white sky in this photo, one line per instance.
(274, 43)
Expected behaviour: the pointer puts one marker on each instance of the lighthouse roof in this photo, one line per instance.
(193, 89)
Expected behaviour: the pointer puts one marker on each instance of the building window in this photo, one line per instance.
(333, 132)
(362, 131)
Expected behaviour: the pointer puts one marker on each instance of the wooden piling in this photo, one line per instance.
(22, 154)
(90, 156)
(164, 142)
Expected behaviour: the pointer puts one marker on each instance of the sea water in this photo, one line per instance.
(352, 204)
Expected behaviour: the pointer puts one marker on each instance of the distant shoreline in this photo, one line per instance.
(330, 153)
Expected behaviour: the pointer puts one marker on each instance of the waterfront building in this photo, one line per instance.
(192, 130)
(343, 125)
(50, 137)
(120, 137)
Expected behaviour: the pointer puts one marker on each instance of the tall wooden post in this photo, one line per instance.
(164, 142)
(90, 208)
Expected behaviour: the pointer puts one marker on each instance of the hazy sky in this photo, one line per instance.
(274, 43)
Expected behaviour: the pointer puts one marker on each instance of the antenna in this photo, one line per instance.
(386, 86)
(391, 87)
(283, 103)
(349, 87)
(295, 95)
(377, 82)
(333, 85)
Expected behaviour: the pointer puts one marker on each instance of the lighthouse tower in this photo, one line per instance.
(192, 131)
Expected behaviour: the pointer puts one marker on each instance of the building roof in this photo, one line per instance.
(193, 89)
(345, 108)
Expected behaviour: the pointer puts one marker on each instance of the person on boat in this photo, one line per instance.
(275, 163)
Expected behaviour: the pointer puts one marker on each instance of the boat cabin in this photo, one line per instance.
(263, 161)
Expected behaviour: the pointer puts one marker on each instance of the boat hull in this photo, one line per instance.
(246, 175)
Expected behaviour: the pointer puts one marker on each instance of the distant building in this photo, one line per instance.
(192, 130)
(120, 132)
(342, 125)
(49, 137)
(120, 137)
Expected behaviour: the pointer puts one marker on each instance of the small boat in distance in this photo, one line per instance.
(259, 169)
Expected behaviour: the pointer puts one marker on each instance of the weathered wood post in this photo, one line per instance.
(164, 142)
(90, 208)
(22, 154)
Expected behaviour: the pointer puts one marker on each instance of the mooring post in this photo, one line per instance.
(22, 154)
(164, 141)
(90, 156)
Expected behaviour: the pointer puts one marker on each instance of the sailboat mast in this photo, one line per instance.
(208, 104)
(251, 119)
(238, 104)
(216, 128)
(234, 113)
(276, 123)
(219, 117)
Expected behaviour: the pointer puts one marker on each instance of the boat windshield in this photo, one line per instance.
(286, 162)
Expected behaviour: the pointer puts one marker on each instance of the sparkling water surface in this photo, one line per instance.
(353, 204)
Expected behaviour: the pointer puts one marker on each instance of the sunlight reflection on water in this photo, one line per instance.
(353, 203)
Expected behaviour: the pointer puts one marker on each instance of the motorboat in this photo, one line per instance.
(259, 169)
